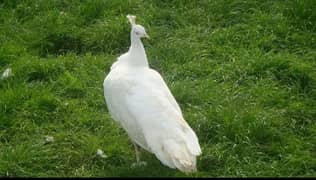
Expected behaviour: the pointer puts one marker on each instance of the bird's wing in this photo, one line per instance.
(156, 111)
(117, 89)
(161, 87)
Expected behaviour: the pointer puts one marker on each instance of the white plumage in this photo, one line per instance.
(140, 101)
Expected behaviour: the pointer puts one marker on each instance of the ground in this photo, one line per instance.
(243, 72)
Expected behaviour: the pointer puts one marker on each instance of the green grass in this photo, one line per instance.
(243, 72)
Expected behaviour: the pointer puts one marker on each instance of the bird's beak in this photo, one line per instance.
(146, 36)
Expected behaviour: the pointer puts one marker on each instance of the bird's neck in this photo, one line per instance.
(137, 52)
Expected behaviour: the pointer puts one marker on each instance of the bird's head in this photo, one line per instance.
(137, 29)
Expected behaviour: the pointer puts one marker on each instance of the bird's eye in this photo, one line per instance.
(137, 33)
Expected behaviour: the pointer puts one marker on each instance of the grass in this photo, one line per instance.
(243, 72)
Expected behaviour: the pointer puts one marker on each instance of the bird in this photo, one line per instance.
(139, 100)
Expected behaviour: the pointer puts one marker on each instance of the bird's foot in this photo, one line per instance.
(139, 164)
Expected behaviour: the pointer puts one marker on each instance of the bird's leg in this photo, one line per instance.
(137, 152)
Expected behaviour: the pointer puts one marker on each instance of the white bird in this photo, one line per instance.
(140, 101)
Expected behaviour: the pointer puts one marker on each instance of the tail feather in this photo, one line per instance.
(192, 142)
(190, 139)
(180, 156)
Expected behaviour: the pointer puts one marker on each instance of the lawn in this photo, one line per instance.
(243, 72)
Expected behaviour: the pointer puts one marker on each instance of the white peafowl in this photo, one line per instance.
(140, 101)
